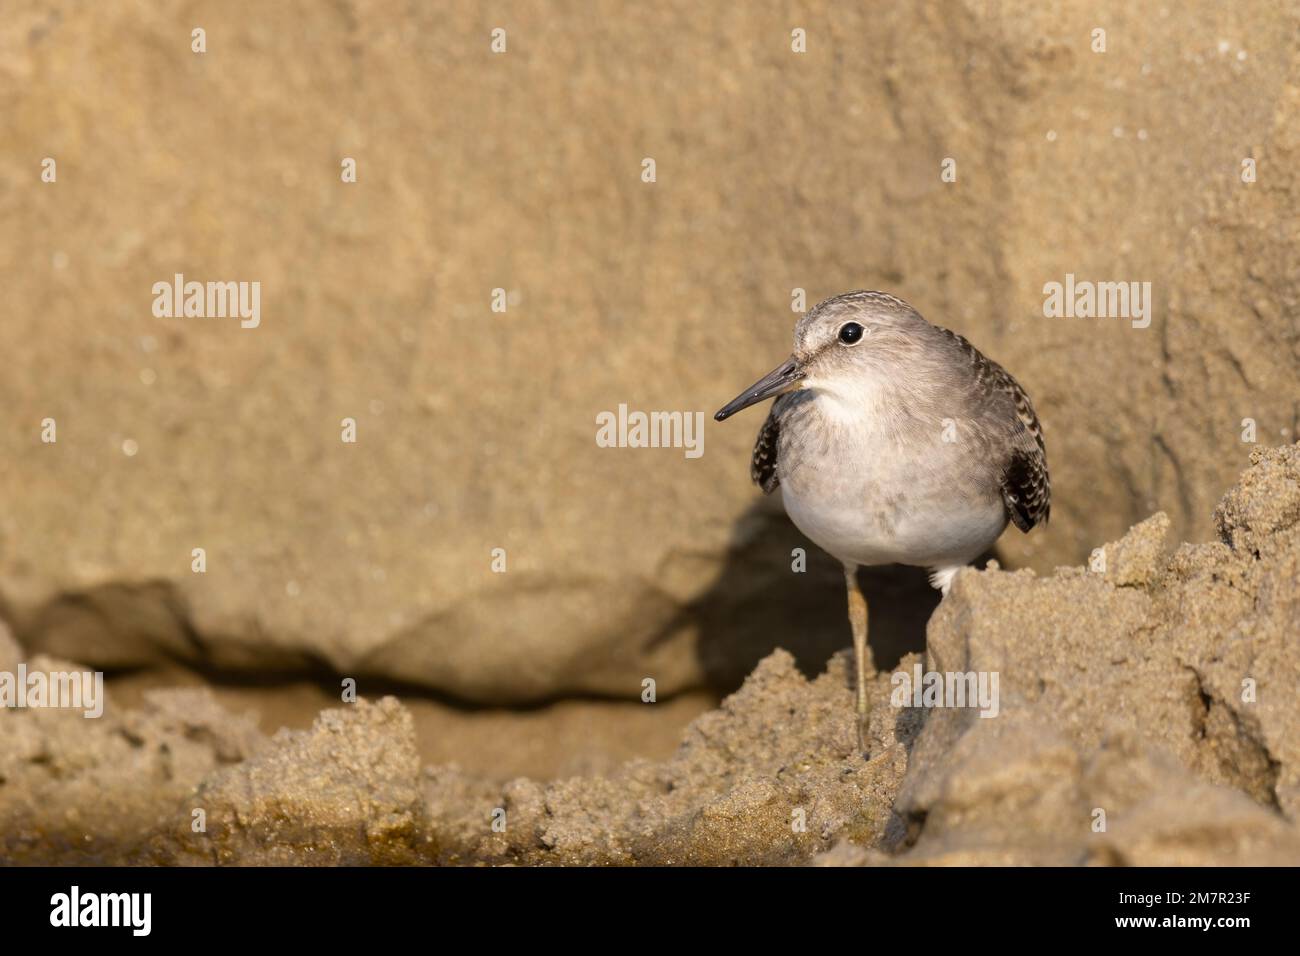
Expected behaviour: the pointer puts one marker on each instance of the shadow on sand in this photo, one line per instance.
(759, 603)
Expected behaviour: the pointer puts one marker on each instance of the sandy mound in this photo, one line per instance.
(1147, 715)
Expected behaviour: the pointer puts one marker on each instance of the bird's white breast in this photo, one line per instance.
(880, 487)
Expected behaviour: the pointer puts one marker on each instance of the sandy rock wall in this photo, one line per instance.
(522, 172)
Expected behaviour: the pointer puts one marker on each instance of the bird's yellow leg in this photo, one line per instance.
(866, 668)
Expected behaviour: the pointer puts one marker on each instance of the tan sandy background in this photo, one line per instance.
(522, 171)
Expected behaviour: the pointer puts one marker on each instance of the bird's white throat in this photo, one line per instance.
(850, 400)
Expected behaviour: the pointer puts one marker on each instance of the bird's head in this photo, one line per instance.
(838, 346)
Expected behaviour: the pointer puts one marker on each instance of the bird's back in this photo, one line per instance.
(1026, 484)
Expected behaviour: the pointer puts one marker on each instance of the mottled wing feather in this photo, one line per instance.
(762, 467)
(1026, 489)
(1026, 486)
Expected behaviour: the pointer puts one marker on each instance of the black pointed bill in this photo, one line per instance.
(784, 378)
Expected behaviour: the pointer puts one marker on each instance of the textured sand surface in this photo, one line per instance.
(1123, 701)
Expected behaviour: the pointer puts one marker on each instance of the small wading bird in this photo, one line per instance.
(895, 442)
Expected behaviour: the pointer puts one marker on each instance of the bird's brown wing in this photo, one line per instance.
(1026, 486)
(1026, 489)
(762, 466)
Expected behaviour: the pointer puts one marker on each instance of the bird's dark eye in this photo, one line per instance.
(850, 333)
